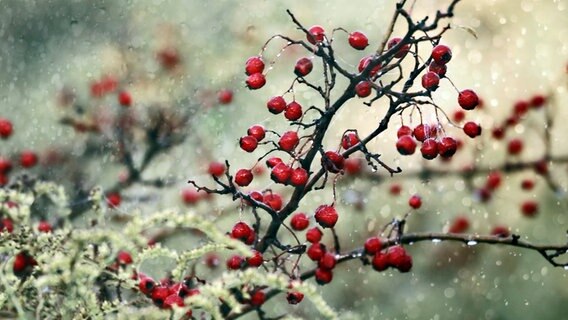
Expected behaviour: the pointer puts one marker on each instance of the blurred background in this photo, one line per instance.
(51, 53)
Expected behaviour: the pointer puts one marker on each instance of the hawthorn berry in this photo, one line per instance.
(258, 298)
(248, 143)
(447, 147)
(538, 101)
(459, 225)
(364, 62)
(327, 261)
(299, 177)
(316, 34)
(234, 262)
(212, 260)
(363, 89)
(255, 81)
(358, 40)
(520, 108)
(294, 297)
(113, 199)
(323, 276)
(472, 129)
(441, 54)
(6, 128)
(146, 284)
(256, 260)
(273, 162)
(216, 169)
(349, 140)
(403, 131)
(303, 67)
(500, 231)
(430, 81)
(159, 295)
(281, 173)
(125, 99)
(493, 180)
(402, 51)
(190, 196)
(333, 162)
(273, 200)
(254, 65)
(380, 261)
(429, 149)
(515, 147)
(5, 165)
(169, 58)
(353, 166)
(527, 184)
(458, 116)
(243, 177)
(241, 231)
(406, 145)
(421, 132)
(28, 159)
(498, 133)
(123, 257)
(316, 251)
(276, 105)
(288, 141)
(6, 224)
(299, 221)
(467, 99)
(44, 226)
(293, 111)
(257, 131)
(225, 96)
(398, 258)
(439, 69)
(529, 208)
(415, 201)
(23, 264)
(541, 167)
(395, 189)
(372, 245)
(314, 235)
(326, 216)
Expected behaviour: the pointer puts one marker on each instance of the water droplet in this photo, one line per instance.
(471, 243)
(436, 240)
(565, 267)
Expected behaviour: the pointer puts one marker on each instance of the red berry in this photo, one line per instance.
(399, 259)
(358, 40)
(327, 261)
(113, 199)
(421, 132)
(256, 260)
(160, 294)
(125, 99)
(273, 200)
(303, 67)
(276, 104)
(498, 133)
(458, 116)
(353, 166)
(299, 221)
(323, 276)
(258, 298)
(441, 54)
(190, 196)
(364, 62)
(459, 225)
(500, 231)
(472, 129)
(28, 159)
(484, 194)
(380, 261)
(349, 140)
(538, 101)
(255, 81)
(316, 251)
(216, 169)
(314, 235)
(146, 284)
(6, 128)
(439, 69)
(316, 34)
(527, 184)
(520, 108)
(372, 245)
(430, 81)
(333, 161)
(293, 111)
(415, 201)
(429, 149)
(363, 89)
(468, 99)
(243, 177)
(395, 189)
(124, 257)
(447, 147)
(294, 297)
(273, 162)
(6, 224)
(406, 145)
(44, 226)
(281, 173)
(299, 177)
(529, 208)
(234, 262)
(403, 131)
(515, 147)
(225, 96)
(171, 300)
(241, 231)
(257, 131)
(541, 167)
(326, 216)
(254, 65)
(402, 51)
(288, 141)
(256, 196)
(5, 165)
(169, 58)
(248, 143)
(493, 180)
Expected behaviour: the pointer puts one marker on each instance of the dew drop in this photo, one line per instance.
(471, 243)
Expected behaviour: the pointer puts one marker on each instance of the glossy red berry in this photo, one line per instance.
(421, 132)
(303, 67)
(146, 284)
(380, 261)
(276, 105)
(527, 184)
(439, 69)
(113, 199)
(403, 131)
(372, 245)
(316, 251)
(225, 96)
(234, 262)
(515, 147)
(441, 54)
(529, 208)
(299, 177)
(44, 226)
(281, 173)
(288, 141)
(327, 261)
(364, 62)
(273, 162)
(323, 276)
(256, 260)
(294, 297)
(314, 235)
(498, 133)
(6, 128)
(243, 177)
(447, 147)
(468, 99)
(363, 89)
(257, 131)
(415, 201)
(124, 257)
(316, 34)
(273, 200)
(358, 40)
(333, 162)
(399, 258)
(28, 159)
(258, 298)
(402, 51)
(125, 99)
(349, 140)
(299, 221)
(241, 231)
(472, 129)
(326, 216)
(353, 166)
(429, 149)
(255, 81)
(430, 81)
(254, 65)
(5, 165)
(216, 169)
(248, 143)
(406, 145)
(23, 264)
(459, 225)
(293, 111)
(538, 101)
(500, 231)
